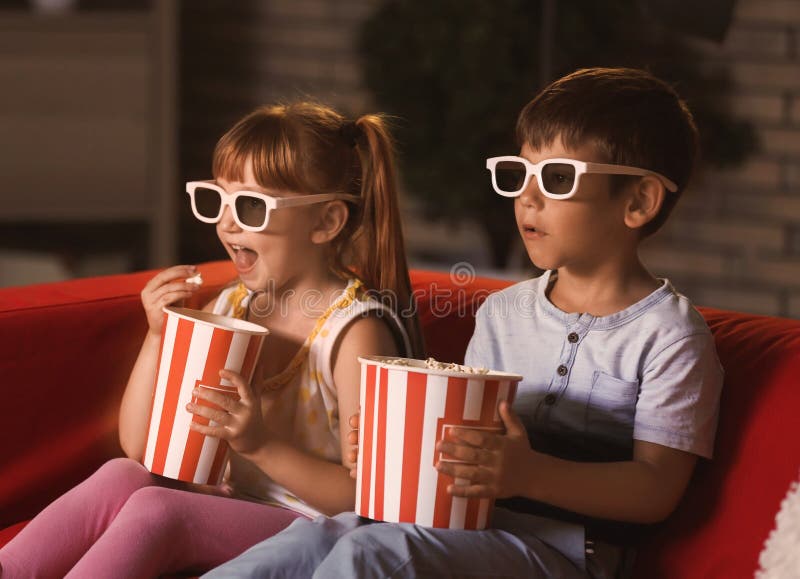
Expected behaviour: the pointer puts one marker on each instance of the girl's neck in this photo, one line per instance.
(602, 290)
(303, 297)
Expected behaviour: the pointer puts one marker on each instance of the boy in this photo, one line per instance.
(621, 380)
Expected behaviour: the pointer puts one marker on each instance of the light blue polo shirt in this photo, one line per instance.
(592, 385)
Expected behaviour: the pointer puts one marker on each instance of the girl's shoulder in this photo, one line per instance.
(357, 302)
(232, 300)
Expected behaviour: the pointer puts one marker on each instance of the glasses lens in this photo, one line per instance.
(207, 202)
(558, 178)
(509, 176)
(251, 211)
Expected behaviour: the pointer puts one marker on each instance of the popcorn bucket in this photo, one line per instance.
(195, 346)
(405, 410)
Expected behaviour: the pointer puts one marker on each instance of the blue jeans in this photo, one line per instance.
(348, 546)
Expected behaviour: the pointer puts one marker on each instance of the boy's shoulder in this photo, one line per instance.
(678, 310)
(528, 287)
(665, 310)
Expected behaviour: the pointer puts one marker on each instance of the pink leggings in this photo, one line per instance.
(122, 522)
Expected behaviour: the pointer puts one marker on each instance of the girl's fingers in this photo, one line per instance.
(227, 401)
(353, 421)
(171, 298)
(219, 416)
(352, 437)
(245, 392)
(169, 274)
(174, 287)
(215, 431)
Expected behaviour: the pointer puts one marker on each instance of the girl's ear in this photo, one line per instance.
(644, 202)
(331, 218)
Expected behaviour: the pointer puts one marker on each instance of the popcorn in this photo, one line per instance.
(196, 279)
(433, 364)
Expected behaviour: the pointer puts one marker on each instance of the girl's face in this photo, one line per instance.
(274, 257)
(581, 232)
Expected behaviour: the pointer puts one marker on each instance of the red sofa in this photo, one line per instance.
(66, 350)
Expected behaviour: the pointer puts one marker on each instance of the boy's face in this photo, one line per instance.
(581, 233)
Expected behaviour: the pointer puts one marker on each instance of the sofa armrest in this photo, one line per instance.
(66, 350)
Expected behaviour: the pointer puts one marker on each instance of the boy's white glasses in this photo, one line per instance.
(557, 178)
(250, 209)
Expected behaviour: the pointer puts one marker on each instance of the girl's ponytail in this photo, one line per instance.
(379, 251)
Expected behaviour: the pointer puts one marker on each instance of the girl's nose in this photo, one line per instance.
(227, 222)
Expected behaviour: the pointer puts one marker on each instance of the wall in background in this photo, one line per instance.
(734, 240)
(238, 55)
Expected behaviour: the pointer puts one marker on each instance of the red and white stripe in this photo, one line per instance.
(403, 415)
(192, 354)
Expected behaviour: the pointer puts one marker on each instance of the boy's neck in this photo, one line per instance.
(602, 290)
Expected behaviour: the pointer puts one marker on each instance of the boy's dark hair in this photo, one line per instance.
(632, 117)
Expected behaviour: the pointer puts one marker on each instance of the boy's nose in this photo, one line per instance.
(531, 196)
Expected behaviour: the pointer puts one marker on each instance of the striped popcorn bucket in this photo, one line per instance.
(405, 411)
(195, 346)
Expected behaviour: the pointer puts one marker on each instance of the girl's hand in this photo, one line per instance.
(240, 422)
(166, 288)
(352, 438)
(495, 461)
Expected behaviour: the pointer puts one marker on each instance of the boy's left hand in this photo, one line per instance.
(240, 422)
(494, 459)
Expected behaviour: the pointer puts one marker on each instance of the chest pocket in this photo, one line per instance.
(610, 409)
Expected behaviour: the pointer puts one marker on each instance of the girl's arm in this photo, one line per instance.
(644, 490)
(324, 485)
(167, 287)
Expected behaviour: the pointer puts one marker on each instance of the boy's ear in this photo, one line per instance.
(331, 218)
(644, 202)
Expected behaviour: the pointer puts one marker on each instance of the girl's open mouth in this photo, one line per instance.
(244, 258)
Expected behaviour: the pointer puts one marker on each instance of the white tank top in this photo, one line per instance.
(302, 399)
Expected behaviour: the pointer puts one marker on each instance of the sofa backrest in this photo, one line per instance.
(66, 350)
(720, 526)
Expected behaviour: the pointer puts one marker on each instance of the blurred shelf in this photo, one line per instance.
(89, 122)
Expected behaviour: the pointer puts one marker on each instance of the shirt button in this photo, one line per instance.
(550, 399)
(572, 337)
(562, 370)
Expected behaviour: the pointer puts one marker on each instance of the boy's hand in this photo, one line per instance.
(240, 422)
(494, 459)
(352, 438)
(166, 288)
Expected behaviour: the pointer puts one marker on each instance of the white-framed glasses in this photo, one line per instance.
(557, 178)
(250, 209)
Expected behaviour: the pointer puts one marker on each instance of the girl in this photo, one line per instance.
(305, 204)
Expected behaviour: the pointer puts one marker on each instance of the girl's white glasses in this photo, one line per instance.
(557, 178)
(250, 209)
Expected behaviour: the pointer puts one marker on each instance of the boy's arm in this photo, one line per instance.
(643, 490)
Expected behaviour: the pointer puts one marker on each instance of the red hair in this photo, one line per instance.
(310, 148)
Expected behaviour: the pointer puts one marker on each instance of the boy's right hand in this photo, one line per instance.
(352, 438)
(166, 288)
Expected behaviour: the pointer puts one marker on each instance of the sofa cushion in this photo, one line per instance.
(721, 524)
